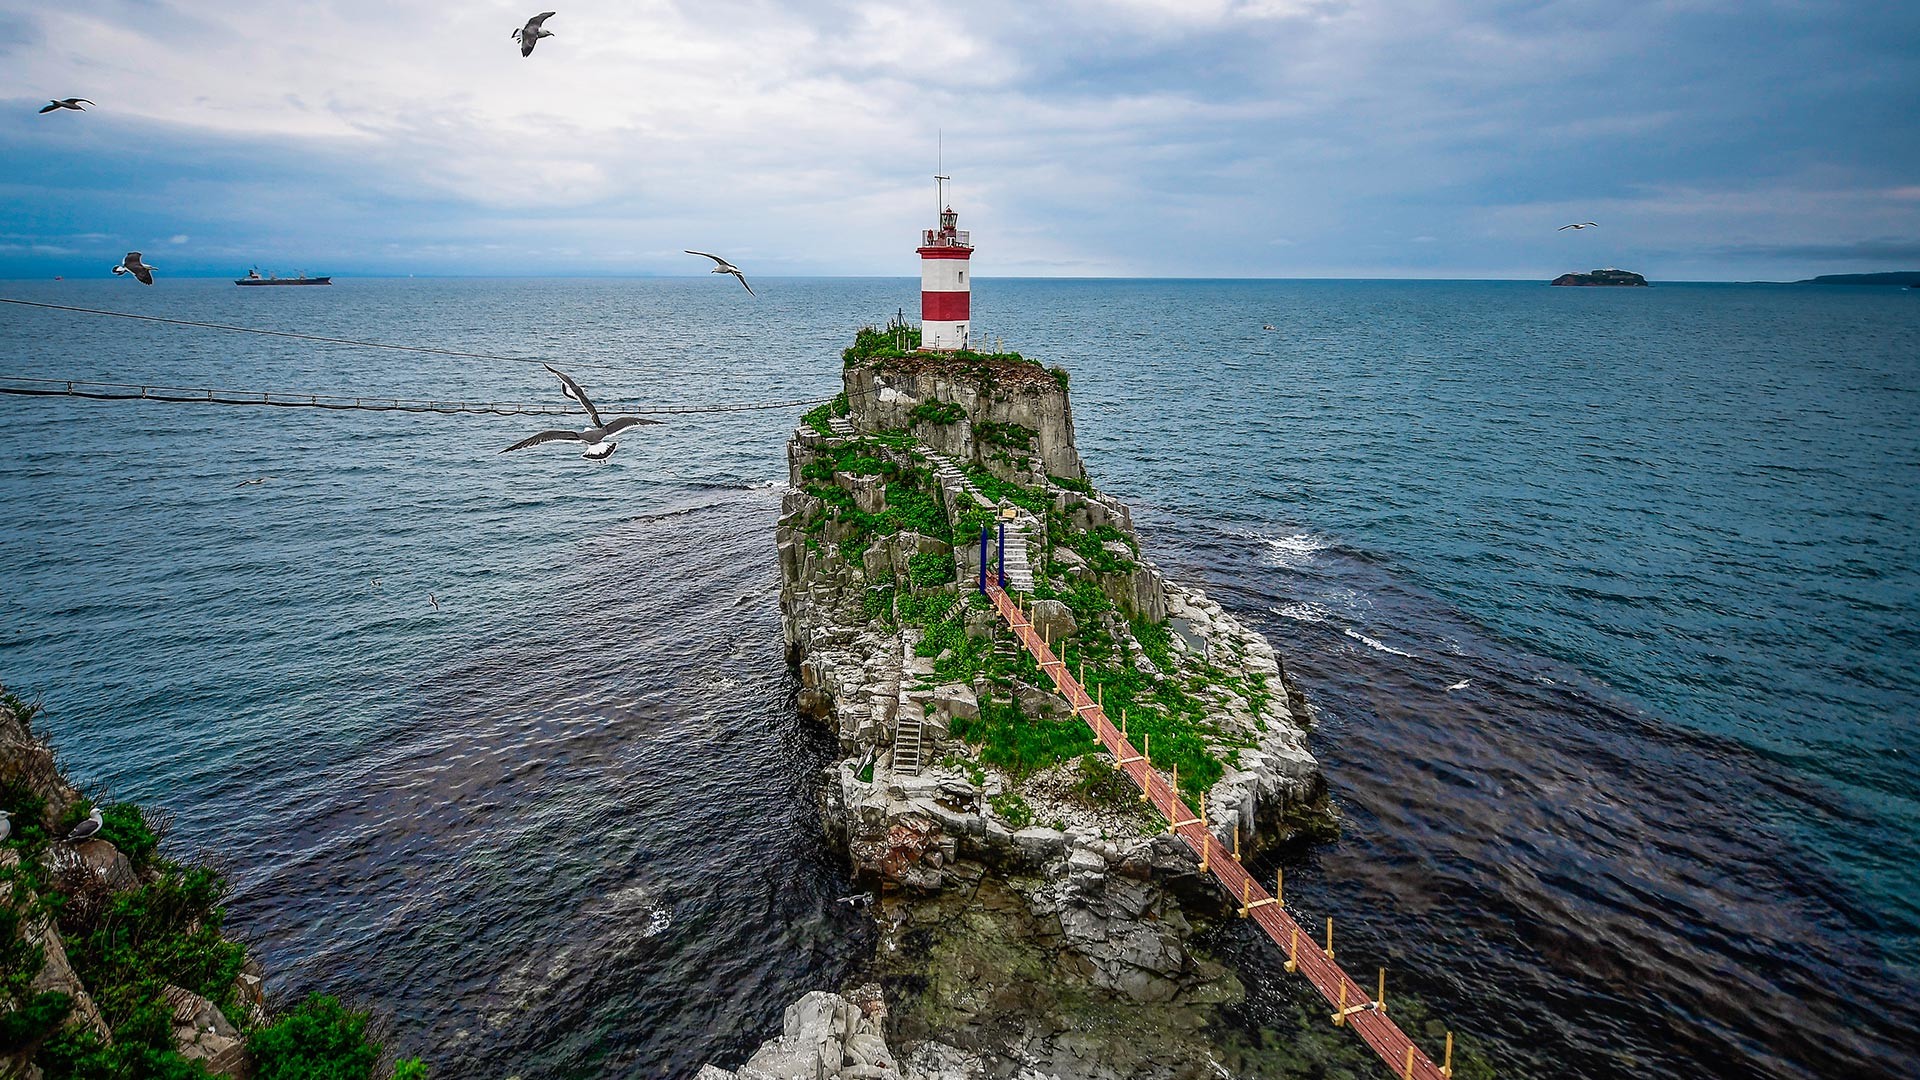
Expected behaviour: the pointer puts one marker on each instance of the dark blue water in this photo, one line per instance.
(561, 825)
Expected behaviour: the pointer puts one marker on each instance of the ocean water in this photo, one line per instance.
(561, 824)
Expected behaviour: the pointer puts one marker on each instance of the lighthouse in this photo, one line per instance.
(945, 294)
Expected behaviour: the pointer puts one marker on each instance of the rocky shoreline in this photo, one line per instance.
(113, 960)
(1035, 917)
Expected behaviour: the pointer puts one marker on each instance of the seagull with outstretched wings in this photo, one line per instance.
(722, 266)
(529, 35)
(77, 104)
(1580, 225)
(599, 437)
(132, 265)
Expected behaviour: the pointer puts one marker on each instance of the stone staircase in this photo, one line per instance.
(840, 426)
(1022, 530)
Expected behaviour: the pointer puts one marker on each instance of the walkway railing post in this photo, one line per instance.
(983, 560)
(1002, 561)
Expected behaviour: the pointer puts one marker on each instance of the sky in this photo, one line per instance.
(1758, 139)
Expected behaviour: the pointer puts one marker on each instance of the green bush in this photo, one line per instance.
(126, 828)
(1012, 809)
(929, 569)
(938, 412)
(165, 931)
(994, 433)
(817, 419)
(320, 1040)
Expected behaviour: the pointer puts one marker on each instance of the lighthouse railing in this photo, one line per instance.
(937, 238)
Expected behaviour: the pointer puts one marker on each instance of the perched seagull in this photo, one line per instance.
(73, 103)
(597, 437)
(1581, 225)
(1461, 685)
(86, 829)
(132, 265)
(6, 824)
(725, 267)
(255, 480)
(529, 35)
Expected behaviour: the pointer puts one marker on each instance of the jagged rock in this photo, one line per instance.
(107, 863)
(57, 974)
(823, 1036)
(869, 492)
(202, 1033)
(28, 763)
(1054, 620)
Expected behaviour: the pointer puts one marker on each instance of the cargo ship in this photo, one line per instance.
(253, 278)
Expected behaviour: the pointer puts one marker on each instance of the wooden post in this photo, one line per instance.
(1146, 755)
(1329, 937)
(1280, 886)
(1236, 841)
(1340, 1014)
(1446, 1070)
(1407, 1073)
(1293, 950)
(1246, 897)
(1206, 834)
(1380, 999)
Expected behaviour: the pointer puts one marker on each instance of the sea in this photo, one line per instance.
(1604, 600)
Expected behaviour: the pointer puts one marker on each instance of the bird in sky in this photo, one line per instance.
(724, 267)
(74, 103)
(86, 829)
(529, 35)
(1580, 225)
(132, 265)
(598, 438)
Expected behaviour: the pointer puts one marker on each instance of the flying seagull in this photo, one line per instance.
(435, 603)
(86, 829)
(724, 267)
(1461, 685)
(597, 437)
(255, 480)
(132, 265)
(1581, 225)
(73, 103)
(529, 35)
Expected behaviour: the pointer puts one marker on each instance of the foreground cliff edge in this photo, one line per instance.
(112, 959)
(1034, 914)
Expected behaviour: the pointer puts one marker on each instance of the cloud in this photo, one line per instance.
(177, 238)
(1110, 136)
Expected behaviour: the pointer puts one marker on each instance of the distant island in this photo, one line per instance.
(1909, 278)
(1601, 277)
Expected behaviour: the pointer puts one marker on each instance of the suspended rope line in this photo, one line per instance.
(276, 333)
(283, 399)
(358, 343)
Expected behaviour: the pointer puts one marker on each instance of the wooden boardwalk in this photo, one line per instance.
(1355, 1004)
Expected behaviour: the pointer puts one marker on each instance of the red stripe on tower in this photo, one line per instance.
(944, 306)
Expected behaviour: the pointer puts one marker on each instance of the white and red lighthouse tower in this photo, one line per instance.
(945, 292)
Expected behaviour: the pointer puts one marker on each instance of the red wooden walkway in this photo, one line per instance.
(1405, 1060)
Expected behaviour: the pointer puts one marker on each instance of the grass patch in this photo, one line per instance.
(1012, 809)
(1014, 436)
(817, 419)
(1010, 739)
(943, 413)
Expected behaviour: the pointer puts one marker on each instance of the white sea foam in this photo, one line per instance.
(1295, 550)
(1372, 644)
(1305, 612)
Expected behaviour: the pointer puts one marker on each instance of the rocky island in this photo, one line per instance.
(1035, 915)
(1600, 277)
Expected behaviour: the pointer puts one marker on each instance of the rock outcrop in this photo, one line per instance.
(88, 876)
(1002, 842)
